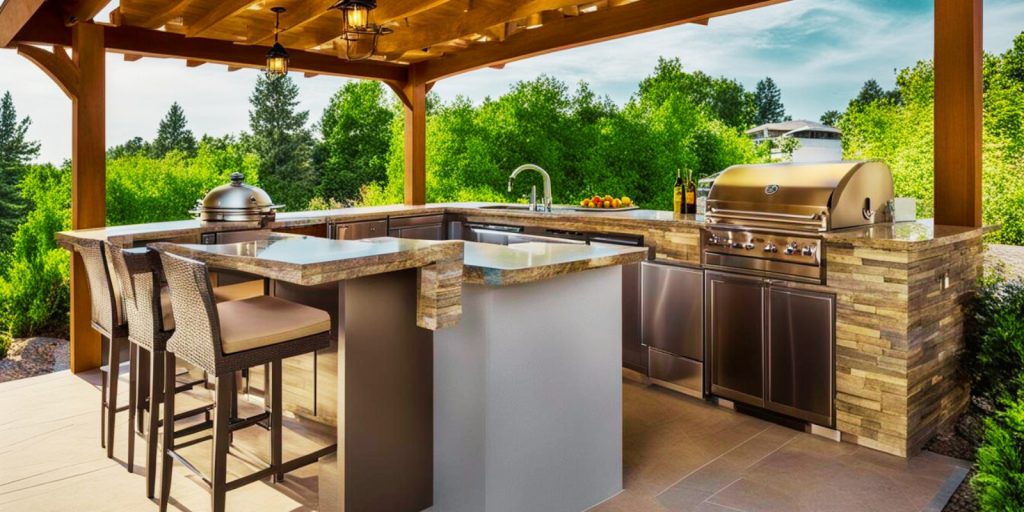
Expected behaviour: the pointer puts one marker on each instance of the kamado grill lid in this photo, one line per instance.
(235, 201)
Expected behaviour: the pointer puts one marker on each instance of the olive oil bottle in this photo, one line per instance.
(677, 193)
(690, 193)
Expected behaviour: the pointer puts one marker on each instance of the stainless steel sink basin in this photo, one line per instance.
(523, 208)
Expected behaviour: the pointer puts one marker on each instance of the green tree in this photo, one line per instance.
(723, 98)
(871, 92)
(768, 100)
(831, 118)
(173, 134)
(355, 133)
(133, 146)
(281, 140)
(15, 153)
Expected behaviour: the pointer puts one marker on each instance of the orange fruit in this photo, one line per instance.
(584, 202)
(596, 199)
(616, 203)
(596, 204)
(608, 198)
(607, 204)
(626, 201)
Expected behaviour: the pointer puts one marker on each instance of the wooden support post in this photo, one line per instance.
(89, 180)
(415, 99)
(958, 103)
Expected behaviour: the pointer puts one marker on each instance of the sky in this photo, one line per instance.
(819, 52)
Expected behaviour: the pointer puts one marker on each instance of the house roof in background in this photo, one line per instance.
(799, 125)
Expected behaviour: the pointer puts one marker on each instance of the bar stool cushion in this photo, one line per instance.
(262, 321)
(238, 291)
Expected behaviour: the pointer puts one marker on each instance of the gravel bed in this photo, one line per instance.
(28, 357)
(1008, 258)
(962, 443)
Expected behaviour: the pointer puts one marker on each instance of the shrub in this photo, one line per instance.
(999, 482)
(34, 293)
(994, 358)
(5, 344)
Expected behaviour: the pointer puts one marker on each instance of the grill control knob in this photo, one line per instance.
(736, 245)
(771, 247)
(748, 246)
(807, 250)
(714, 240)
(791, 248)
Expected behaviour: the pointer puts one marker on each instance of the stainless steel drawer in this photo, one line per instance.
(360, 230)
(419, 220)
(677, 373)
(672, 317)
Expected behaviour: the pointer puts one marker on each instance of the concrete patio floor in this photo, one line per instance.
(680, 454)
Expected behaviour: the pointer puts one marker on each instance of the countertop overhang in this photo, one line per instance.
(502, 265)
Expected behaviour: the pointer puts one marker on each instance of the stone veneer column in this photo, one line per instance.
(899, 329)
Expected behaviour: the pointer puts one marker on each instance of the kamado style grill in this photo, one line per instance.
(236, 202)
(767, 220)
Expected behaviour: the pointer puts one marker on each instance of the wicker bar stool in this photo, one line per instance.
(223, 339)
(107, 319)
(147, 306)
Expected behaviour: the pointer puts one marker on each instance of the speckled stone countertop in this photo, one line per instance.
(310, 261)
(921, 234)
(500, 265)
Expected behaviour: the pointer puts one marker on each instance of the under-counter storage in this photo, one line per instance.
(420, 227)
(360, 230)
(772, 346)
(672, 325)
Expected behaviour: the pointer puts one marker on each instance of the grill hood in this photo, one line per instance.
(236, 202)
(805, 197)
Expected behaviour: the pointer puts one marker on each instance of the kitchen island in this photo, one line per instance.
(527, 387)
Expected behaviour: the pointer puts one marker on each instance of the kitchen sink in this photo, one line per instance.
(523, 208)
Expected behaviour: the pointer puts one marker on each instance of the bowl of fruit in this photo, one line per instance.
(607, 203)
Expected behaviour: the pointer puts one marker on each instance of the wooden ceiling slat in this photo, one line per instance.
(83, 10)
(225, 9)
(161, 17)
(477, 19)
(570, 32)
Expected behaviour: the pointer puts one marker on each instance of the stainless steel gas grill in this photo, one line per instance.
(771, 345)
(236, 202)
(768, 219)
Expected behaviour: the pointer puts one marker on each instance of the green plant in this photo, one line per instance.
(999, 482)
(5, 344)
(994, 357)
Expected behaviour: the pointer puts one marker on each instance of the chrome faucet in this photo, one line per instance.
(547, 186)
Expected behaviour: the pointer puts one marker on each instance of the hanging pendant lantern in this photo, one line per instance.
(277, 57)
(358, 32)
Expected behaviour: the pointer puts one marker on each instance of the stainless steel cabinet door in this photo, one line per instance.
(672, 317)
(736, 336)
(361, 230)
(428, 232)
(801, 371)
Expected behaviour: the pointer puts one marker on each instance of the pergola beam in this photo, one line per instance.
(14, 14)
(571, 32)
(82, 10)
(45, 29)
(958, 112)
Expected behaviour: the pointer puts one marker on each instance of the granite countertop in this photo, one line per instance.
(310, 261)
(501, 265)
(920, 234)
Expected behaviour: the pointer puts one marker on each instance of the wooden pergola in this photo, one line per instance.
(431, 40)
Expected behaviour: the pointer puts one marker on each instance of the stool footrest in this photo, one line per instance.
(194, 429)
(240, 423)
(188, 465)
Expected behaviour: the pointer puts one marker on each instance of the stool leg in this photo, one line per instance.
(103, 409)
(112, 377)
(133, 387)
(221, 424)
(156, 383)
(144, 360)
(275, 420)
(168, 431)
